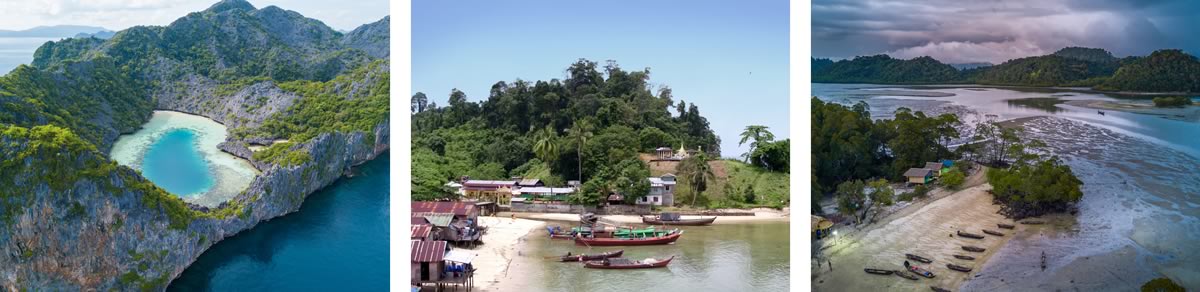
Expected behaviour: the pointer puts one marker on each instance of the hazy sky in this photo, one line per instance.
(958, 31)
(729, 58)
(121, 14)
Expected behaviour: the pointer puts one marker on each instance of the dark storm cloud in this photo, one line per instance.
(995, 31)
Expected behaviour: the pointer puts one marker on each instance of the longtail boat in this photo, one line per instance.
(958, 268)
(905, 275)
(623, 263)
(591, 257)
(918, 270)
(1005, 226)
(1033, 222)
(973, 248)
(918, 258)
(675, 219)
(969, 235)
(670, 237)
(963, 257)
(938, 289)
(877, 271)
(996, 233)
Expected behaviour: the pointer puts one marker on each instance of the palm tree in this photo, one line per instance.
(545, 146)
(759, 134)
(580, 132)
(698, 172)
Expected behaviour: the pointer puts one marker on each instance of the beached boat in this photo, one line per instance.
(973, 248)
(918, 258)
(905, 275)
(1033, 222)
(918, 270)
(938, 289)
(590, 257)
(969, 235)
(1005, 226)
(623, 263)
(675, 219)
(670, 237)
(996, 233)
(963, 257)
(877, 271)
(958, 268)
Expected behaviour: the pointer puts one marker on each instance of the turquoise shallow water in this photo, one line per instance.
(174, 163)
(338, 241)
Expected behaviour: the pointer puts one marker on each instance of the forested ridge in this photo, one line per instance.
(1162, 71)
(603, 116)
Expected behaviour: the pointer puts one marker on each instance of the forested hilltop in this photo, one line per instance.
(72, 219)
(1161, 71)
(603, 116)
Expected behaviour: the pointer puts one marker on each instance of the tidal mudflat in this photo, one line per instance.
(178, 152)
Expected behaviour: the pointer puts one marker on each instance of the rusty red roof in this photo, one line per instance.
(421, 231)
(458, 208)
(428, 251)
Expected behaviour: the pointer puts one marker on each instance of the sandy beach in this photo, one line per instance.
(760, 215)
(500, 246)
(926, 231)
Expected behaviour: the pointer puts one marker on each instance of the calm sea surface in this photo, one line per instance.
(17, 51)
(174, 163)
(725, 257)
(338, 241)
(1140, 215)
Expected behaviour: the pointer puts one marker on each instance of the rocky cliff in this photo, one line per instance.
(71, 219)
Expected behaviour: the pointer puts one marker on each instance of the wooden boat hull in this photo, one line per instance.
(958, 268)
(878, 271)
(963, 257)
(628, 241)
(918, 258)
(938, 289)
(1033, 222)
(638, 265)
(996, 233)
(973, 248)
(680, 222)
(969, 235)
(586, 257)
(905, 275)
(919, 271)
(1006, 226)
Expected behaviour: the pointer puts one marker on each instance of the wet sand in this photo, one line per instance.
(1188, 113)
(502, 243)
(926, 232)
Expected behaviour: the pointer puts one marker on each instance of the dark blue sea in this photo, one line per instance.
(338, 241)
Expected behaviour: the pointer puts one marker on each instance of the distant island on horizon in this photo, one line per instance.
(1163, 71)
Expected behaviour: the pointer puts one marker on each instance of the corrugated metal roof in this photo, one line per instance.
(933, 165)
(489, 183)
(456, 208)
(914, 172)
(660, 181)
(428, 251)
(439, 219)
(546, 190)
(529, 182)
(421, 231)
(460, 256)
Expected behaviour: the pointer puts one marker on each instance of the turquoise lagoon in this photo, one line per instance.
(178, 152)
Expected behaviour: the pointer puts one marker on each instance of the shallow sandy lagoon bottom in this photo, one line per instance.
(230, 174)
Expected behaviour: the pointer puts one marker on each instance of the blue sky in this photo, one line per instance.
(729, 58)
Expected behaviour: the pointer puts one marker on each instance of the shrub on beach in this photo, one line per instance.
(1162, 285)
(1172, 101)
(953, 178)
